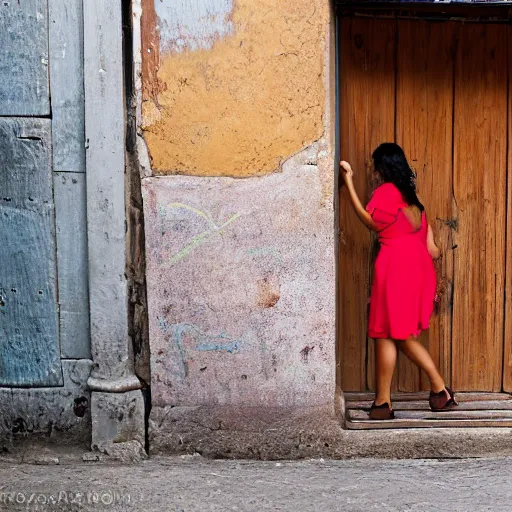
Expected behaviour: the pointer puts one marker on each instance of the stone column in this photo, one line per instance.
(117, 404)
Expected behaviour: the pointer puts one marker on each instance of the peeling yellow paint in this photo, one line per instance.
(252, 100)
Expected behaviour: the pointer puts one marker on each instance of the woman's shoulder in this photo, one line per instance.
(387, 188)
(387, 192)
(387, 199)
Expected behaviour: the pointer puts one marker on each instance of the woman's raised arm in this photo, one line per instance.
(364, 216)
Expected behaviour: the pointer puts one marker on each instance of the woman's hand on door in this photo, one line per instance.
(347, 171)
(363, 215)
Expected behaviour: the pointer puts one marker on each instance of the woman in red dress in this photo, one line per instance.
(404, 282)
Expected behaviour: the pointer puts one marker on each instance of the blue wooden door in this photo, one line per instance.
(29, 347)
(43, 253)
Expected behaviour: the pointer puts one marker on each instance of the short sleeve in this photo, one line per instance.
(384, 204)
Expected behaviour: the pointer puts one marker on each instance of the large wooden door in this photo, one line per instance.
(439, 89)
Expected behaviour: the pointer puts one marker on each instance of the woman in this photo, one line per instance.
(404, 283)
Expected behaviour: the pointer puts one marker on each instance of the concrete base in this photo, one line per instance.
(60, 414)
(295, 433)
(117, 418)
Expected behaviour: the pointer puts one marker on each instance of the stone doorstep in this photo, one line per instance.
(427, 443)
(412, 410)
(435, 443)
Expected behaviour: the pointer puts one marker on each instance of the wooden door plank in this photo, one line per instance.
(422, 405)
(29, 351)
(24, 58)
(67, 84)
(367, 88)
(507, 349)
(359, 420)
(71, 226)
(425, 131)
(479, 183)
(360, 415)
(418, 423)
(400, 397)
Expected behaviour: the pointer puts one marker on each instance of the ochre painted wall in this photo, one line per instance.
(238, 100)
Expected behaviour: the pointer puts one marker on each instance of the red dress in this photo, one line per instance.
(404, 281)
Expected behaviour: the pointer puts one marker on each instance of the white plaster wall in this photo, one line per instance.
(241, 287)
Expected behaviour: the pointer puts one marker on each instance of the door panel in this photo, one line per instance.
(451, 119)
(367, 109)
(29, 347)
(24, 58)
(69, 192)
(425, 130)
(479, 184)
(507, 353)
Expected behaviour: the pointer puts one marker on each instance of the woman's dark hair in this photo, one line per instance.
(391, 164)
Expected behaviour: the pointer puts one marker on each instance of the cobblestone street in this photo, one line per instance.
(191, 483)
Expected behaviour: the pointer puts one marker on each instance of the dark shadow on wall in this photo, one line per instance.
(135, 251)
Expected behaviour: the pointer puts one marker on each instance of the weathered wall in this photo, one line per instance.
(240, 272)
(231, 88)
(240, 280)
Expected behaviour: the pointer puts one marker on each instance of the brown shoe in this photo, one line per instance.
(441, 402)
(381, 412)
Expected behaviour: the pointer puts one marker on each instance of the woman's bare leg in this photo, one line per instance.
(420, 356)
(385, 361)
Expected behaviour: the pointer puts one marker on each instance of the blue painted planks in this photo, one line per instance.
(67, 84)
(29, 336)
(71, 224)
(24, 58)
